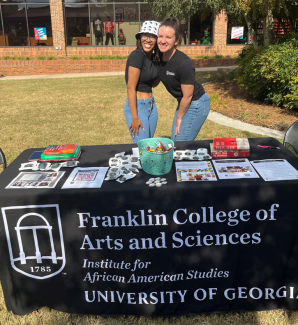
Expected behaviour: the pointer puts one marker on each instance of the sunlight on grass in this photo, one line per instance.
(89, 111)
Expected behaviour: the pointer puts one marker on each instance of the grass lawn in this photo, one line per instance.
(35, 113)
(89, 111)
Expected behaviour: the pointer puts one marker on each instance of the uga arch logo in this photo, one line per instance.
(35, 239)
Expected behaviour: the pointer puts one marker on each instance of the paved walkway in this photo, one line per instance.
(227, 121)
(213, 116)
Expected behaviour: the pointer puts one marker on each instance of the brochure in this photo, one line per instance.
(88, 177)
(195, 171)
(275, 169)
(234, 168)
(36, 180)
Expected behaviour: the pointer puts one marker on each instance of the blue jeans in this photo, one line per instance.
(192, 120)
(147, 113)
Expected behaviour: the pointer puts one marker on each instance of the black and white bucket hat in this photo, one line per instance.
(149, 27)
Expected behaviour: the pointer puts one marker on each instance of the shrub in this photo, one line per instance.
(41, 58)
(202, 57)
(270, 73)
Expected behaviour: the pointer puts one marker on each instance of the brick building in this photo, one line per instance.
(70, 27)
(84, 28)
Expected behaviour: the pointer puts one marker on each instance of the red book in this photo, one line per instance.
(231, 143)
(228, 153)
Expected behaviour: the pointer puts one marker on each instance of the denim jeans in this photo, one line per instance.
(147, 113)
(192, 120)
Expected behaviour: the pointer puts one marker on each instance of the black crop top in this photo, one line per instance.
(149, 72)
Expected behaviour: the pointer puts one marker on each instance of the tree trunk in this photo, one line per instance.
(251, 30)
(268, 28)
(293, 24)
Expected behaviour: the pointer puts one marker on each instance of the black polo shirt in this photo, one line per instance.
(149, 72)
(178, 71)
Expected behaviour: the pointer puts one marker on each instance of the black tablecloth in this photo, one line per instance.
(183, 248)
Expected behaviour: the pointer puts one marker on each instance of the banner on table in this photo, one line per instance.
(128, 260)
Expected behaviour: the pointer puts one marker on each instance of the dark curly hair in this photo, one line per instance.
(155, 55)
(174, 23)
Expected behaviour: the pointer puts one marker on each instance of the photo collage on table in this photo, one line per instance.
(36, 180)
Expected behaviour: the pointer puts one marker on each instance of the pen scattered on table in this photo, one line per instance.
(267, 147)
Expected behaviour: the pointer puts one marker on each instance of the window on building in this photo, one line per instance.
(77, 24)
(39, 21)
(11, 1)
(108, 23)
(200, 30)
(99, 23)
(26, 24)
(2, 42)
(127, 23)
(185, 28)
(15, 25)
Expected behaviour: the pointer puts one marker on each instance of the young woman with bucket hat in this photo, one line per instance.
(141, 75)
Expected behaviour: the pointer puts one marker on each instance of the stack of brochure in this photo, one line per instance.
(230, 147)
(61, 152)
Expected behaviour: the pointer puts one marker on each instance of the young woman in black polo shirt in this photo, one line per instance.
(140, 74)
(177, 73)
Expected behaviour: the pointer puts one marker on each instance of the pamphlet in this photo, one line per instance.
(36, 180)
(234, 168)
(88, 177)
(195, 171)
(275, 169)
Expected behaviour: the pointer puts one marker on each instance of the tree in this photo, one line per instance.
(252, 10)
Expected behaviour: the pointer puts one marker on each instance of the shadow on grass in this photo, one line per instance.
(210, 76)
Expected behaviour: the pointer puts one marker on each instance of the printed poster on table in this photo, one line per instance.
(88, 177)
(234, 168)
(275, 169)
(36, 180)
(195, 171)
(237, 32)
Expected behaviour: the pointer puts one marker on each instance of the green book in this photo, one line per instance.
(65, 156)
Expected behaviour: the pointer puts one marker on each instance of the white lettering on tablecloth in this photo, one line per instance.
(119, 221)
(133, 298)
(180, 217)
(182, 296)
